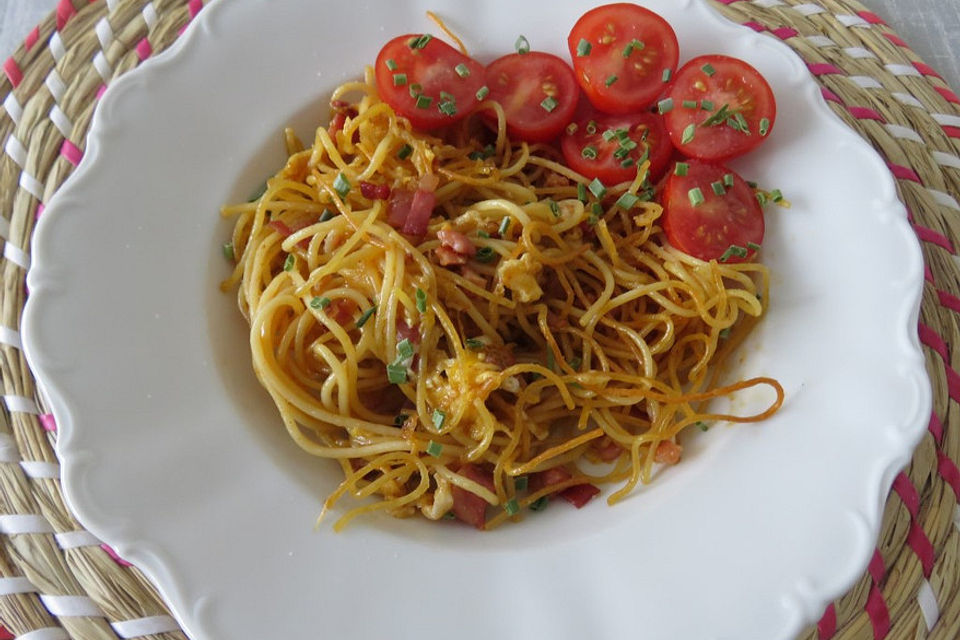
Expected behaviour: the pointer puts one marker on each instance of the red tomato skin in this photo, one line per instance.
(609, 29)
(606, 167)
(433, 67)
(526, 119)
(732, 79)
(707, 230)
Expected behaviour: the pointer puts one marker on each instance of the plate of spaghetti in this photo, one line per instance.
(479, 319)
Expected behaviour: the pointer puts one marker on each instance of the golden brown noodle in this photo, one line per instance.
(582, 333)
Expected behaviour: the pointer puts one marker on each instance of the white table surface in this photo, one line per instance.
(930, 27)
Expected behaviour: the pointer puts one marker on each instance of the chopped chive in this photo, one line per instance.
(689, 104)
(706, 105)
(482, 92)
(396, 373)
(597, 188)
(753, 245)
(609, 135)
(540, 503)
(520, 483)
(320, 303)
(482, 234)
(256, 195)
(421, 296)
(504, 226)
(696, 196)
(474, 344)
(717, 117)
(761, 198)
(522, 45)
(645, 156)
(434, 449)
(482, 154)
(752, 184)
(391, 64)
(447, 96)
(399, 79)
(341, 185)
(703, 426)
(424, 102)
(420, 42)
(405, 349)
(681, 169)
(462, 70)
(289, 262)
(742, 123)
(438, 418)
(549, 103)
(511, 507)
(399, 419)
(728, 179)
(718, 188)
(551, 360)
(733, 250)
(485, 254)
(627, 201)
(633, 45)
(621, 152)
(776, 195)
(581, 192)
(591, 127)
(628, 144)
(405, 152)
(610, 80)
(665, 105)
(572, 128)
(764, 126)
(627, 163)
(447, 108)
(667, 74)
(708, 69)
(362, 320)
(688, 134)
(228, 251)
(327, 215)
(589, 152)
(583, 48)
(554, 208)
(415, 89)
(449, 515)
(596, 209)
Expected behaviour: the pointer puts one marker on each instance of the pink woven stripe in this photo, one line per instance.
(953, 132)
(65, 11)
(902, 172)
(929, 235)
(927, 273)
(876, 568)
(949, 472)
(926, 69)
(5, 634)
(876, 609)
(895, 39)
(47, 422)
(194, 7)
(71, 152)
(100, 91)
(31, 38)
(12, 69)
(40, 208)
(116, 558)
(953, 382)
(935, 427)
(144, 50)
(948, 95)
(830, 96)
(727, 1)
(785, 33)
(932, 339)
(949, 300)
(824, 69)
(921, 545)
(827, 626)
(863, 113)
(871, 17)
(756, 26)
(908, 493)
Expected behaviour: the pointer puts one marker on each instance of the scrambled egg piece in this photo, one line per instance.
(520, 276)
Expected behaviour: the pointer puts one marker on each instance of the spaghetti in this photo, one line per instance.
(533, 322)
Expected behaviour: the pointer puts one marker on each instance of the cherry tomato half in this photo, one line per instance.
(620, 55)
(610, 147)
(427, 81)
(537, 91)
(711, 213)
(720, 107)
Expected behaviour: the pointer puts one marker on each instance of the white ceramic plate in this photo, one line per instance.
(173, 455)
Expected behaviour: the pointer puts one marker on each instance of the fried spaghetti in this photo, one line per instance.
(531, 324)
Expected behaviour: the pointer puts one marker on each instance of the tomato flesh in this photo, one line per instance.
(427, 81)
(620, 55)
(537, 91)
(602, 146)
(697, 220)
(721, 107)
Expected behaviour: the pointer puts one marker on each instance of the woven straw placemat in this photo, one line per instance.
(58, 581)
